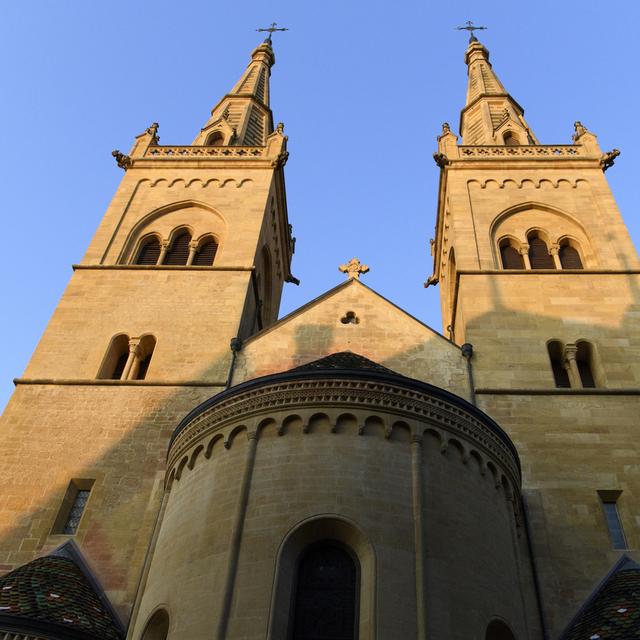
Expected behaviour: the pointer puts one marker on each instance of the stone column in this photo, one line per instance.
(164, 247)
(236, 536)
(524, 252)
(133, 361)
(418, 529)
(193, 246)
(571, 365)
(554, 251)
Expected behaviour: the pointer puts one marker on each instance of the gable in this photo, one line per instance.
(379, 330)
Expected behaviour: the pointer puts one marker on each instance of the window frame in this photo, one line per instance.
(611, 497)
(296, 576)
(62, 517)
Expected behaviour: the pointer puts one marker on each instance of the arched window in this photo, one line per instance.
(206, 253)
(511, 258)
(216, 139)
(539, 255)
(143, 358)
(115, 361)
(178, 252)
(498, 630)
(569, 257)
(584, 360)
(158, 626)
(326, 594)
(510, 139)
(149, 251)
(556, 356)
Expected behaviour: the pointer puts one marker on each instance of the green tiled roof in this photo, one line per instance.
(53, 595)
(613, 611)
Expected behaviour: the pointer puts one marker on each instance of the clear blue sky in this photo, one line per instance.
(362, 87)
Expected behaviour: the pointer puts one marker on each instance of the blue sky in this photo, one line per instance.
(362, 87)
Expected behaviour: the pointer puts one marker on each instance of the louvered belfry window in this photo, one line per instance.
(511, 258)
(539, 256)
(569, 257)
(326, 594)
(206, 253)
(149, 253)
(178, 252)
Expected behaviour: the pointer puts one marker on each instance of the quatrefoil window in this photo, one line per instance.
(350, 318)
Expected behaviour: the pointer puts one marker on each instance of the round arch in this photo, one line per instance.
(306, 533)
(157, 628)
(495, 231)
(138, 231)
(498, 630)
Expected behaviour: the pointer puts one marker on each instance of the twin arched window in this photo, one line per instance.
(127, 358)
(180, 251)
(538, 255)
(326, 594)
(573, 365)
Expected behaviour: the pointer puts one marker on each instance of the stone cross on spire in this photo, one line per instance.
(353, 269)
(470, 27)
(271, 29)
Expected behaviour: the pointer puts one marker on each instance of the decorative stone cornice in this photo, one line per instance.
(338, 395)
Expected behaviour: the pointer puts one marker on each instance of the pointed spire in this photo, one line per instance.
(491, 115)
(243, 116)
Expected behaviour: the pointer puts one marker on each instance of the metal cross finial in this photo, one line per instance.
(470, 27)
(271, 29)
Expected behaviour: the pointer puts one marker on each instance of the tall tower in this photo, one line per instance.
(192, 252)
(537, 272)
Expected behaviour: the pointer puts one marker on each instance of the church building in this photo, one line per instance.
(181, 463)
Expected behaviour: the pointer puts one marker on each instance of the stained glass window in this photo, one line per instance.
(76, 511)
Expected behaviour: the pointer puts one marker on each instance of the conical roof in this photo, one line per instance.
(52, 595)
(613, 610)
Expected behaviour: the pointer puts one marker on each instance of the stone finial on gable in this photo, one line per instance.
(353, 269)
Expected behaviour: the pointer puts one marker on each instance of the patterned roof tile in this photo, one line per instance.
(53, 593)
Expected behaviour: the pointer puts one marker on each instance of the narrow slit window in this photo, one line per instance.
(584, 360)
(73, 507)
(143, 358)
(556, 357)
(115, 360)
(612, 518)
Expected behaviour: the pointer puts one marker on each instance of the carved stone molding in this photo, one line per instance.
(338, 396)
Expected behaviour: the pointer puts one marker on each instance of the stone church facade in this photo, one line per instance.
(180, 463)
